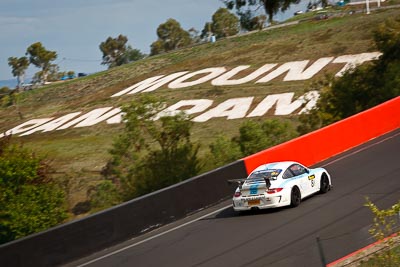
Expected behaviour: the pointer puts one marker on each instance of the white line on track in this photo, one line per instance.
(361, 149)
(216, 211)
(153, 237)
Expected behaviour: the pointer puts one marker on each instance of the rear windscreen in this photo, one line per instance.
(265, 174)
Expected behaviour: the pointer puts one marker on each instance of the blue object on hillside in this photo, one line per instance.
(68, 77)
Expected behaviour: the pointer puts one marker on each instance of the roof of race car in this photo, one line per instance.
(282, 165)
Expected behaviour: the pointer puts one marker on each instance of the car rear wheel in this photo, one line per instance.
(324, 187)
(295, 198)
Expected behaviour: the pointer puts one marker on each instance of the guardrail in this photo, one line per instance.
(79, 238)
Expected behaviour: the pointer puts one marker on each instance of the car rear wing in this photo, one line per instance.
(240, 182)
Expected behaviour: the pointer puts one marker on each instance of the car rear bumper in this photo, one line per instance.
(265, 202)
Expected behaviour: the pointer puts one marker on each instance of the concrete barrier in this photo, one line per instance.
(333, 139)
(96, 232)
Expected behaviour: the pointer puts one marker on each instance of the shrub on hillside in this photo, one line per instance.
(30, 200)
(150, 154)
(362, 87)
(253, 137)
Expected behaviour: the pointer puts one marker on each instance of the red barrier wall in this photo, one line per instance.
(333, 139)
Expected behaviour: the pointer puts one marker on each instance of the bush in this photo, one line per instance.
(103, 195)
(362, 87)
(151, 154)
(255, 137)
(30, 201)
(223, 151)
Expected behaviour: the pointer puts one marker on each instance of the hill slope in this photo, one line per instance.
(85, 149)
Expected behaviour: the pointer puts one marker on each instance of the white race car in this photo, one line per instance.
(279, 184)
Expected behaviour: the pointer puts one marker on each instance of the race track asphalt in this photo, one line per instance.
(278, 237)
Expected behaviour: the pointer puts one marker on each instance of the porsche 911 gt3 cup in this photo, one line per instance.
(279, 184)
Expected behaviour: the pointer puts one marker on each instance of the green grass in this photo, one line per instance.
(77, 149)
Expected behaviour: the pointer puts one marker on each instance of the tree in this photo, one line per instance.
(271, 7)
(131, 55)
(250, 22)
(157, 47)
(255, 137)
(41, 58)
(223, 151)
(116, 52)
(30, 200)
(19, 66)
(194, 35)
(207, 31)
(113, 50)
(362, 87)
(150, 154)
(224, 23)
(170, 37)
(54, 73)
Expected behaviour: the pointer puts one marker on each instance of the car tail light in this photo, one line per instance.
(237, 194)
(274, 190)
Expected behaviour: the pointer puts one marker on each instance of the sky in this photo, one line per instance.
(75, 28)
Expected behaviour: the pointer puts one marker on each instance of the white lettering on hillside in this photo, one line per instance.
(116, 118)
(26, 126)
(235, 108)
(219, 76)
(231, 109)
(91, 118)
(54, 124)
(310, 98)
(284, 104)
(267, 103)
(354, 60)
(180, 82)
(225, 79)
(187, 106)
(296, 70)
(150, 84)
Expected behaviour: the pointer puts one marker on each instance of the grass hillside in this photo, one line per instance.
(82, 152)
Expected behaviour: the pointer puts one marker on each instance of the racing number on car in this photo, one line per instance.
(312, 179)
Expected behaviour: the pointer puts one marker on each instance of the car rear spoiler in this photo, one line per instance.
(236, 181)
(240, 182)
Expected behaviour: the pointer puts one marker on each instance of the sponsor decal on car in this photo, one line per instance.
(254, 189)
